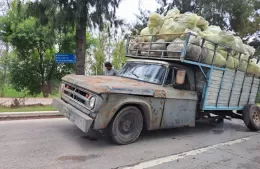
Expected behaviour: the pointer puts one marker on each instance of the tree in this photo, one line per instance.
(4, 6)
(34, 67)
(109, 47)
(35, 45)
(66, 44)
(99, 53)
(99, 59)
(4, 47)
(78, 14)
(141, 21)
(4, 62)
(118, 55)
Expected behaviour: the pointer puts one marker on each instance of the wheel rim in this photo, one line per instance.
(128, 125)
(256, 118)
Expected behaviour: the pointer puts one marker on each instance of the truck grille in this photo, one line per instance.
(77, 94)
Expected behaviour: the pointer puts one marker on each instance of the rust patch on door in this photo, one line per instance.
(160, 93)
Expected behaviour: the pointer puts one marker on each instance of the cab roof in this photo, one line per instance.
(148, 61)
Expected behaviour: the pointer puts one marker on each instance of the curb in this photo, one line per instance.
(38, 114)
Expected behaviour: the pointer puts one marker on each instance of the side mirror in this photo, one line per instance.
(180, 76)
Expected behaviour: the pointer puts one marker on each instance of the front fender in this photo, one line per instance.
(152, 109)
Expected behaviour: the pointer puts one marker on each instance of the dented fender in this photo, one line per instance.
(151, 107)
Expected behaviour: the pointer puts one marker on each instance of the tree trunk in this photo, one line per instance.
(45, 90)
(80, 49)
(4, 81)
(81, 39)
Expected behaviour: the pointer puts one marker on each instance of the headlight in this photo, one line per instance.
(92, 101)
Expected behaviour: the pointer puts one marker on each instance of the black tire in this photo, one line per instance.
(126, 126)
(251, 117)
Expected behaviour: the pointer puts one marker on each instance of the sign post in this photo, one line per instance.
(65, 58)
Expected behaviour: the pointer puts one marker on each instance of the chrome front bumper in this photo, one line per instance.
(77, 117)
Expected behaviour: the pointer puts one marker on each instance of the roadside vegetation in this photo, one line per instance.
(27, 109)
(32, 32)
(12, 93)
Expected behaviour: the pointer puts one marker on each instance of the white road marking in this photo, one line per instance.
(155, 162)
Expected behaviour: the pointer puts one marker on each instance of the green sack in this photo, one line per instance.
(146, 31)
(249, 49)
(189, 20)
(207, 57)
(258, 70)
(242, 65)
(224, 52)
(238, 45)
(244, 57)
(232, 63)
(196, 29)
(209, 36)
(252, 67)
(226, 38)
(171, 27)
(202, 23)
(172, 13)
(213, 29)
(155, 23)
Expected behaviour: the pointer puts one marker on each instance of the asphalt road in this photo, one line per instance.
(58, 144)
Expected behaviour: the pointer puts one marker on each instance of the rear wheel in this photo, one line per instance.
(126, 126)
(251, 117)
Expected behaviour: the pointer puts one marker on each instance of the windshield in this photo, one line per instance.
(152, 73)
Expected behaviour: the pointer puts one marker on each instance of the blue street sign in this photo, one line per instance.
(65, 58)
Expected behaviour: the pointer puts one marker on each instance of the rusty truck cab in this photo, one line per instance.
(147, 94)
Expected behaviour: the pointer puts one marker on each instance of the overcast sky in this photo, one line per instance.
(128, 8)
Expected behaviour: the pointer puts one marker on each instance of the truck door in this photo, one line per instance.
(181, 100)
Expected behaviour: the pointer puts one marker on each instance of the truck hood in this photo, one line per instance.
(114, 84)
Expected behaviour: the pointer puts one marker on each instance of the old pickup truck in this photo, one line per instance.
(158, 92)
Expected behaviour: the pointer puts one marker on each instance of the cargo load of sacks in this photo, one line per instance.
(170, 33)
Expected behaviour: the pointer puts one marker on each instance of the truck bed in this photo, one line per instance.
(226, 89)
(219, 88)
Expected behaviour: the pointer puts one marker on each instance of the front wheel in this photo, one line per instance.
(126, 126)
(251, 117)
